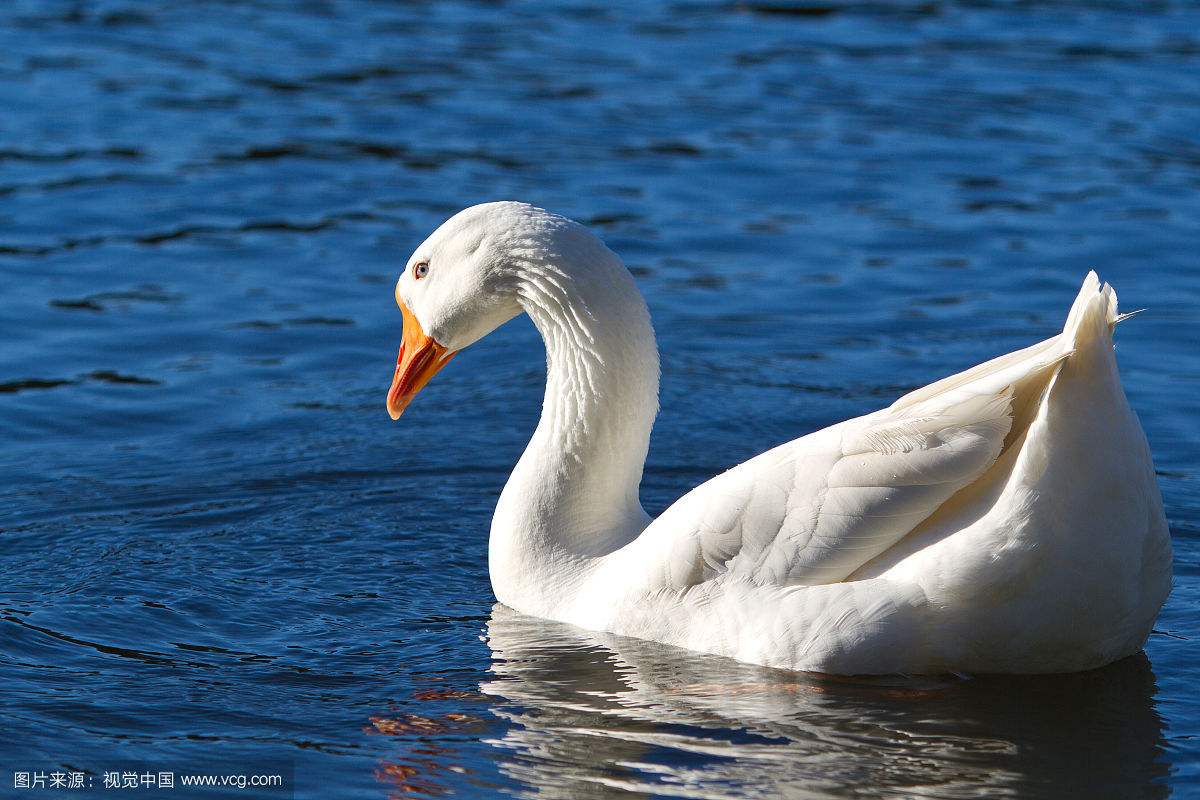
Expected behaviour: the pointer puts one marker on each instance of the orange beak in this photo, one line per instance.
(419, 360)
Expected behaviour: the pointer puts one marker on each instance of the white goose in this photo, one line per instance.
(1005, 519)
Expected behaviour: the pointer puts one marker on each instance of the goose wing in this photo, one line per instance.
(814, 510)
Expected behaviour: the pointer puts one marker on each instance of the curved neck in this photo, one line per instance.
(574, 492)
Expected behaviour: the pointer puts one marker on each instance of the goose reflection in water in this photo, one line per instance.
(595, 715)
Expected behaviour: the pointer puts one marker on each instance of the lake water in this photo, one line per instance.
(220, 554)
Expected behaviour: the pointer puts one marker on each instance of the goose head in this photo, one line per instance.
(465, 281)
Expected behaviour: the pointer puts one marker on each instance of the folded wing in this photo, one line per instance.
(814, 510)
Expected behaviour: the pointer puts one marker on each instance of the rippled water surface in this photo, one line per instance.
(217, 549)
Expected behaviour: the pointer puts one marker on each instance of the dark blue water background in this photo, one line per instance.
(215, 547)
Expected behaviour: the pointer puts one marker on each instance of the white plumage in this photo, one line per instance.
(1005, 519)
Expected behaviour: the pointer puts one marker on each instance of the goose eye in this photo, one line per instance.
(421, 270)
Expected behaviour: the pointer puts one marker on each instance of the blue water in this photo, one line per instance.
(217, 550)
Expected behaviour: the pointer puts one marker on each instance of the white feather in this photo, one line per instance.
(1003, 519)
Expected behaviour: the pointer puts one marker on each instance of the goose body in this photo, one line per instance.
(1004, 519)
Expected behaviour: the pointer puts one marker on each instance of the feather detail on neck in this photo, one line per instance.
(574, 494)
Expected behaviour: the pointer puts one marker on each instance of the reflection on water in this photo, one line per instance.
(594, 713)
